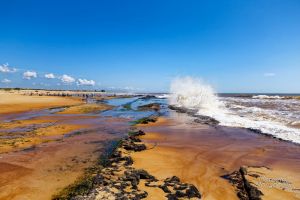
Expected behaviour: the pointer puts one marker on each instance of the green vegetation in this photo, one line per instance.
(88, 181)
(127, 106)
(145, 120)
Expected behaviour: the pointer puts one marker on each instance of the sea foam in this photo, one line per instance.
(234, 111)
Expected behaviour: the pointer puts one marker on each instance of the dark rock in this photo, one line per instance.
(99, 179)
(180, 187)
(144, 174)
(206, 120)
(116, 154)
(173, 179)
(192, 192)
(243, 171)
(142, 195)
(147, 97)
(172, 197)
(131, 143)
(193, 112)
(255, 130)
(165, 188)
(146, 120)
(140, 132)
(245, 191)
(179, 194)
(128, 160)
(130, 146)
(134, 139)
(151, 106)
(253, 192)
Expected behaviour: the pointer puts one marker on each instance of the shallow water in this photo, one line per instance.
(43, 169)
(199, 152)
(133, 113)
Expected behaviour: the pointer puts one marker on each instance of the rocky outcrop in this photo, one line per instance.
(245, 190)
(193, 112)
(146, 120)
(147, 97)
(150, 106)
(119, 180)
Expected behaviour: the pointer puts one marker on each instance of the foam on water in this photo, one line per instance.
(267, 97)
(193, 93)
(275, 116)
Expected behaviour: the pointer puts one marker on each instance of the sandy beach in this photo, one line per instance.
(201, 155)
(47, 151)
(13, 102)
(42, 152)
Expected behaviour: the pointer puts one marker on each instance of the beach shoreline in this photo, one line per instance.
(178, 157)
(206, 155)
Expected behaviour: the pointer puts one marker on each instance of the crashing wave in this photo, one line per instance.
(267, 97)
(194, 94)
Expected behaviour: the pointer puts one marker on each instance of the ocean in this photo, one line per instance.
(274, 114)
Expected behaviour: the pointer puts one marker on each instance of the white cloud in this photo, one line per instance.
(128, 88)
(6, 81)
(49, 76)
(86, 82)
(6, 69)
(67, 79)
(269, 74)
(29, 75)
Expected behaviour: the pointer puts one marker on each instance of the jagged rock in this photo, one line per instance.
(134, 147)
(173, 179)
(134, 139)
(144, 174)
(165, 188)
(111, 184)
(243, 171)
(148, 97)
(245, 191)
(151, 106)
(181, 187)
(142, 195)
(193, 112)
(179, 194)
(206, 120)
(140, 132)
(128, 160)
(172, 197)
(99, 179)
(192, 192)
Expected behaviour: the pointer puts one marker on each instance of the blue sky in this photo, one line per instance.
(234, 45)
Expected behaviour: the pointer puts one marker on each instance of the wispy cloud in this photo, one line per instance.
(29, 75)
(6, 81)
(6, 69)
(269, 74)
(50, 76)
(66, 79)
(86, 82)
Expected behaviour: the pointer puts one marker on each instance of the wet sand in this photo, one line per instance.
(40, 172)
(201, 154)
(42, 152)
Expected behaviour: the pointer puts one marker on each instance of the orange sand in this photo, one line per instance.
(200, 155)
(14, 102)
(86, 108)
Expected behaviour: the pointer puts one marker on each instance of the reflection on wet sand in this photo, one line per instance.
(41, 171)
(43, 151)
(200, 155)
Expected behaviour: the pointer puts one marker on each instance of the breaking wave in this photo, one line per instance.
(193, 93)
(275, 116)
